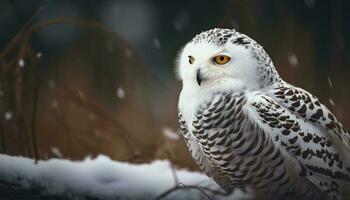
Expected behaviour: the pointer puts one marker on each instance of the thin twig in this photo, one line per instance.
(181, 187)
(4, 88)
(34, 111)
(2, 134)
(176, 179)
(18, 35)
(84, 24)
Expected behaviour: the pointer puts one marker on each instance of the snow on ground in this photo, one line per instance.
(106, 179)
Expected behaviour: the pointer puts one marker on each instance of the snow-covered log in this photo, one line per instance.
(103, 178)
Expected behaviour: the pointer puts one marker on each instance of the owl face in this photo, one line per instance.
(216, 60)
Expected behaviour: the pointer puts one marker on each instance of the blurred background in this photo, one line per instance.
(82, 78)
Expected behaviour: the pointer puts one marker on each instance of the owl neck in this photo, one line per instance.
(269, 76)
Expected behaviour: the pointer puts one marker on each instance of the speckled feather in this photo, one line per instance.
(277, 139)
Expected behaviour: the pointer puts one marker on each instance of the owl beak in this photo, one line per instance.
(199, 77)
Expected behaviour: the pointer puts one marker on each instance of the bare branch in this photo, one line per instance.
(182, 187)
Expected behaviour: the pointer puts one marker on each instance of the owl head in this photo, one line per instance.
(225, 58)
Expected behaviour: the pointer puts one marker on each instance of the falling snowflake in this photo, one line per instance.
(56, 151)
(330, 82)
(331, 102)
(21, 63)
(120, 93)
(293, 60)
(39, 54)
(156, 43)
(8, 115)
(169, 133)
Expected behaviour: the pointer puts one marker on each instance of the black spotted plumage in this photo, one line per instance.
(243, 151)
(275, 138)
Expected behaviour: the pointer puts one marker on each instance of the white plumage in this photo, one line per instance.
(246, 127)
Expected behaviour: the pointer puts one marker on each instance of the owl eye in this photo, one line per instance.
(221, 59)
(190, 59)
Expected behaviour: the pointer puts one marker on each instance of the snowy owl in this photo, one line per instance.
(247, 128)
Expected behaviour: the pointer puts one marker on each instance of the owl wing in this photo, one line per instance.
(194, 147)
(308, 107)
(237, 151)
(312, 144)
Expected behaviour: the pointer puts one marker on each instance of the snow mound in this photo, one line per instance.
(104, 178)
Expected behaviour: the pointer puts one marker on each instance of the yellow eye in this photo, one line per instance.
(221, 59)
